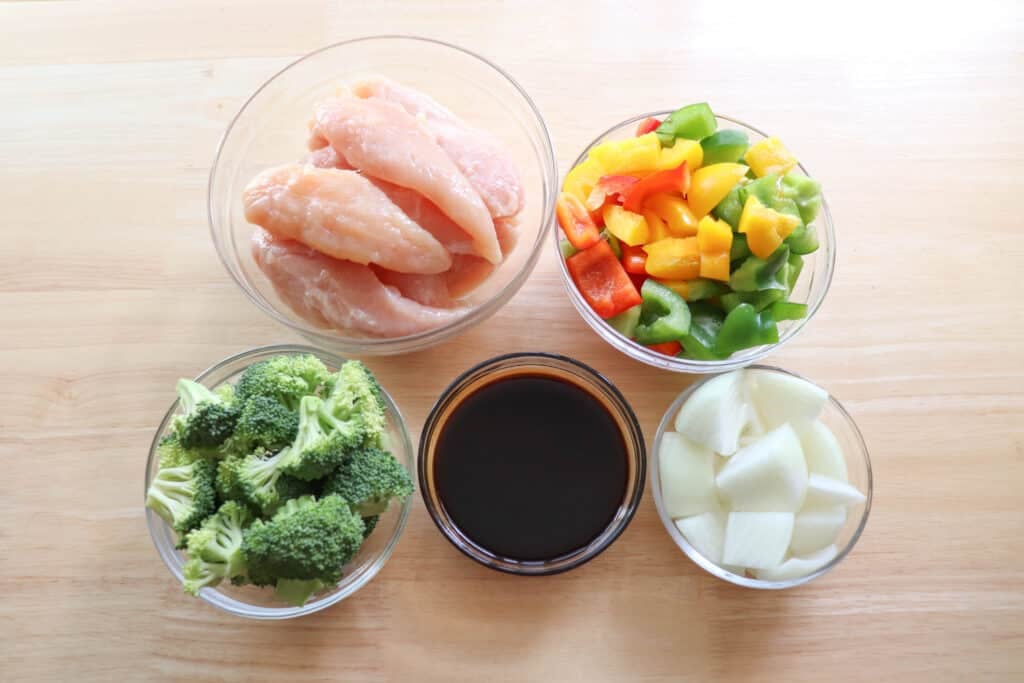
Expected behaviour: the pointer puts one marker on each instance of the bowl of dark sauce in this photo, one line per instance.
(532, 463)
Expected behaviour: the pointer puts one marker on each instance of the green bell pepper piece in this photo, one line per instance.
(694, 122)
(755, 274)
(765, 189)
(787, 310)
(730, 208)
(705, 322)
(702, 288)
(805, 192)
(743, 328)
(566, 248)
(725, 146)
(613, 242)
(759, 300)
(664, 315)
(803, 240)
(740, 249)
(625, 323)
(796, 266)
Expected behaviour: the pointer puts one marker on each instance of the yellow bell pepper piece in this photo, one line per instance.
(689, 151)
(629, 227)
(672, 209)
(765, 228)
(656, 228)
(769, 156)
(632, 155)
(680, 287)
(714, 239)
(673, 258)
(710, 184)
(581, 180)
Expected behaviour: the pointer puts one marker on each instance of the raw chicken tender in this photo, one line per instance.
(341, 214)
(384, 141)
(429, 290)
(476, 153)
(341, 294)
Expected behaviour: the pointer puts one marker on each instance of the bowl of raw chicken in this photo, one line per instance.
(384, 194)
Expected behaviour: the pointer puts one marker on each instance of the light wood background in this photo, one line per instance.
(110, 289)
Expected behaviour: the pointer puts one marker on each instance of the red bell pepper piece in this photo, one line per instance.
(609, 186)
(602, 281)
(638, 280)
(673, 180)
(634, 259)
(669, 348)
(578, 226)
(648, 125)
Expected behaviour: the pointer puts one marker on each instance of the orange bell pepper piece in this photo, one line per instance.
(576, 223)
(634, 259)
(677, 215)
(608, 187)
(602, 280)
(714, 240)
(669, 348)
(674, 258)
(710, 184)
(673, 180)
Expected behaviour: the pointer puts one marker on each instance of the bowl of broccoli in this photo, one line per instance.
(279, 481)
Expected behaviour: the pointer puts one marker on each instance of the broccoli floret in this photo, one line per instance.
(297, 591)
(215, 548)
(368, 479)
(183, 495)
(258, 480)
(354, 405)
(172, 454)
(263, 423)
(370, 524)
(208, 420)
(316, 451)
(286, 379)
(306, 539)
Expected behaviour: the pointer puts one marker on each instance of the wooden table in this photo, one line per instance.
(110, 289)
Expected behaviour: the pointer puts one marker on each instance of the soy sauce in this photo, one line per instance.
(531, 467)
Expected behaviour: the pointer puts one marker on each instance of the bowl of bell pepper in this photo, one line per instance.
(692, 241)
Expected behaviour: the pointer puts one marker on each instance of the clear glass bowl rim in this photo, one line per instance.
(622, 407)
(168, 554)
(671, 363)
(667, 422)
(420, 340)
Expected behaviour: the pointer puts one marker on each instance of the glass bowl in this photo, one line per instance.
(270, 129)
(810, 288)
(261, 603)
(858, 466)
(553, 366)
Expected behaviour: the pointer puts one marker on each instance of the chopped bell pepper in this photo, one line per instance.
(613, 242)
(725, 146)
(765, 228)
(710, 185)
(755, 274)
(714, 240)
(766, 189)
(674, 258)
(744, 328)
(673, 180)
(674, 211)
(664, 315)
(689, 151)
(705, 322)
(609, 186)
(803, 240)
(759, 300)
(739, 250)
(634, 260)
(769, 156)
(648, 125)
(602, 281)
(629, 227)
(788, 310)
(796, 266)
(694, 121)
(657, 229)
(669, 348)
(576, 223)
(625, 323)
(580, 180)
(696, 289)
(628, 156)
(565, 246)
(730, 208)
(805, 192)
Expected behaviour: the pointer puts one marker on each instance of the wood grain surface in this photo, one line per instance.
(110, 289)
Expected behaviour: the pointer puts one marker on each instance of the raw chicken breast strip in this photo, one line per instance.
(341, 214)
(429, 290)
(476, 153)
(384, 141)
(341, 294)
(468, 272)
